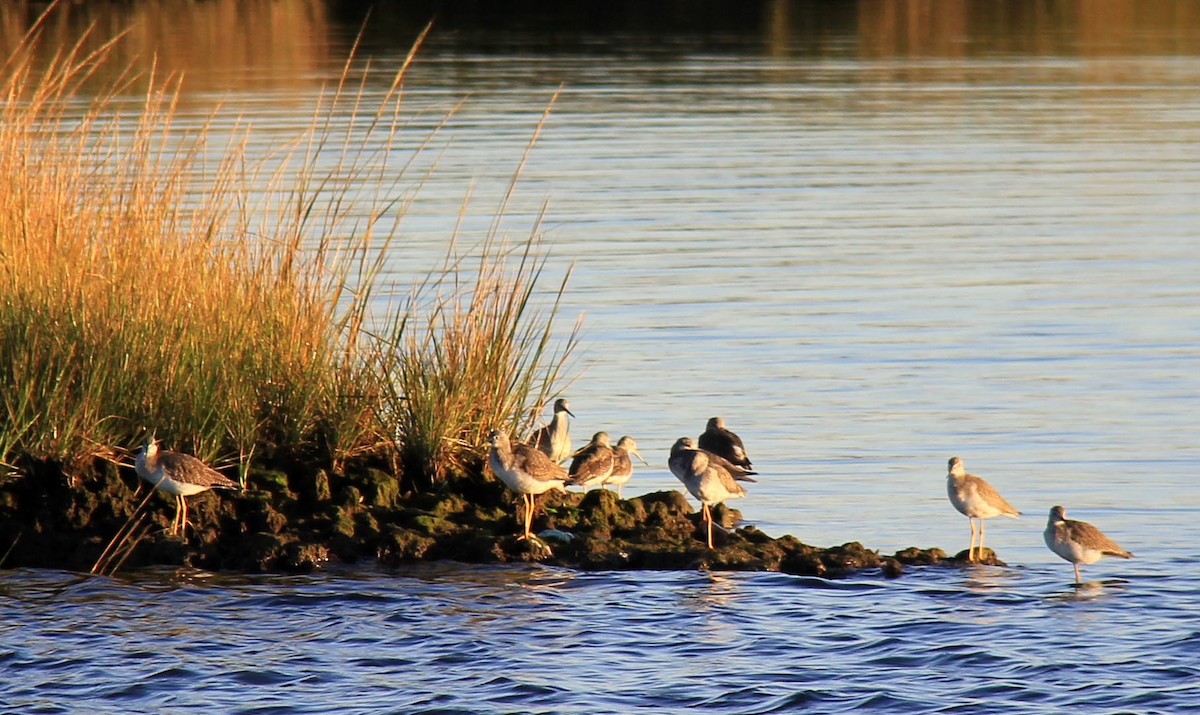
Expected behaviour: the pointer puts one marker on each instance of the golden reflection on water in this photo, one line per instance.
(221, 45)
(225, 45)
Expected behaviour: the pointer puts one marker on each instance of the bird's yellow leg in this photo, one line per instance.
(971, 547)
(528, 501)
(175, 519)
(529, 515)
(981, 524)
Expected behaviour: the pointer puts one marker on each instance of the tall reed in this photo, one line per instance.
(221, 304)
(473, 348)
(143, 290)
(470, 357)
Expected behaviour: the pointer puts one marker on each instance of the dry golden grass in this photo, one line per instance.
(135, 300)
(146, 289)
(470, 360)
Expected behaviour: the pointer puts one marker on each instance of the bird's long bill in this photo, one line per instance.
(744, 478)
(640, 458)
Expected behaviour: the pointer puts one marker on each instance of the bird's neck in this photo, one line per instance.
(502, 454)
(147, 460)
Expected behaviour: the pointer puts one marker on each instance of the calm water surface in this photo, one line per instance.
(868, 254)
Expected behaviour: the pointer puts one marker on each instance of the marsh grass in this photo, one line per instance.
(473, 348)
(220, 304)
(480, 354)
(135, 301)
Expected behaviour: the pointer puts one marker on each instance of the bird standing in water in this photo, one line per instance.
(179, 474)
(1078, 541)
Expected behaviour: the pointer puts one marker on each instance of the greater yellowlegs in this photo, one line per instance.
(179, 474)
(976, 499)
(525, 470)
(622, 464)
(724, 443)
(554, 440)
(1078, 541)
(592, 464)
(709, 477)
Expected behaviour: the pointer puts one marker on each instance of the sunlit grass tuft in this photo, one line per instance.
(472, 350)
(471, 358)
(147, 288)
(133, 300)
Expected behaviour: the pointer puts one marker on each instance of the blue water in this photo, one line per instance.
(868, 255)
(517, 639)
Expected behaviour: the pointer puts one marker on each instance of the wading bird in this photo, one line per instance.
(976, 499)
(709, 477)
(1078, 541)
(179, 474)
(554, 439)
(724, 443)
(525, 470)
(593, 464)
(622, 466)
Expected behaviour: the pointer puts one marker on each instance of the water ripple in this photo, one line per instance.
(893, 270)
(544, 640)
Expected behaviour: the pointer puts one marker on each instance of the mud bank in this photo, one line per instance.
(300, 519)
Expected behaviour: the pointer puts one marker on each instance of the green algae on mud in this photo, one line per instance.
(300, 519)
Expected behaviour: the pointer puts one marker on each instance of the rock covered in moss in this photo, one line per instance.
(986, 557)
(300, 520)
(920, 557)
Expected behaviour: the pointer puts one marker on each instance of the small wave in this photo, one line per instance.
(826, 584)
(260, 677)
(744, 643)
(798, 701)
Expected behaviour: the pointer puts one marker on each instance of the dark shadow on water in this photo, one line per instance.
(869, 28)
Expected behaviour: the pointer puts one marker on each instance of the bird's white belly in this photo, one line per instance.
(1072, 551)
(172, 486)
(710, 491)
(970, 503)
(521, 482)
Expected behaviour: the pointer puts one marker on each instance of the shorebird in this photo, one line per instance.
(724, 443)
(179, 474)
(525, 470)
(622, 465)
(1078, 541)
(709, 477)
(592, 464)
(553, 439)
(976, 499)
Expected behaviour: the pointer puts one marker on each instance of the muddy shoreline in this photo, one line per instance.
(299, 520)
